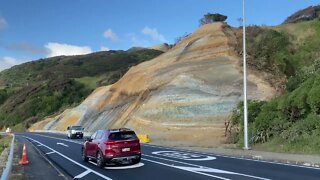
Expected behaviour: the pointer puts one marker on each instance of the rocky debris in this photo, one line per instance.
(307, 14)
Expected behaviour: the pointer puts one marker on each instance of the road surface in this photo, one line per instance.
(163, 163)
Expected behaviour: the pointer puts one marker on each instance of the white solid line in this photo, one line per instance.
(82, 174)
(222, 171)
(185, 169)
(92, 163)
(231, 157)
(71, 160)
(50, 152)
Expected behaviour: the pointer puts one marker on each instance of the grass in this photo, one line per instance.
(4, 142)
(307, 146)
(89, 82)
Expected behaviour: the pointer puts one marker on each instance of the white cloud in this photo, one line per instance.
(7, 62)
(109, 34)
(3, 23)
(103, 48)
(57, 49)
(138, 42)
(153, 32)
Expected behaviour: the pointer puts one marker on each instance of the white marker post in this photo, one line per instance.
(245, 109)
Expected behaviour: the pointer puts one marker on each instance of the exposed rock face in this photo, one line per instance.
(183, 96)
(307, 14)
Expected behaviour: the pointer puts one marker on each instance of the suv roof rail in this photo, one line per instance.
(120, 129)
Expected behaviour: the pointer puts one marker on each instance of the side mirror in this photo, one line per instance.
(88, 139)
(68, 128)
(82, 129)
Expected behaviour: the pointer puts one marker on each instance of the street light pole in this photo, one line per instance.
(245, 108)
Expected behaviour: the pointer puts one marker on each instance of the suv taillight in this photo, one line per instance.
(109, 144)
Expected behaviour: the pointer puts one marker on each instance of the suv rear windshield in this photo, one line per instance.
(76, 128)
(122, 135)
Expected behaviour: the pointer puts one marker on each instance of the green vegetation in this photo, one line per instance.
(282, 51)
(210, 18)
(37, 89)
(290, 122)
(4, 142)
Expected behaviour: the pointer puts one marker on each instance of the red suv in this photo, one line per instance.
(117, 146)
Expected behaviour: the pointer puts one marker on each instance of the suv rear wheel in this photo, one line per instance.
(100, 160)
(84, 155)
(136, 161)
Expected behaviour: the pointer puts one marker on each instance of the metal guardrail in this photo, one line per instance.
(6, 172)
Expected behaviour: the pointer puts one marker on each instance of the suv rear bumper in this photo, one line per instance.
(124, 159)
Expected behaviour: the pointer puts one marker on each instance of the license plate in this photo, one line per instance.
(125, 149)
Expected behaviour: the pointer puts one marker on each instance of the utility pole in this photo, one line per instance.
(245, 108)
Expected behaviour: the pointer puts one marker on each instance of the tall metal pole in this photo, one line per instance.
(245, 109)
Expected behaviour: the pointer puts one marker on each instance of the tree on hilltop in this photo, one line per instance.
(211, 18)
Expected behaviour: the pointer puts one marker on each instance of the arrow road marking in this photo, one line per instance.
(184, 155)
(62, 144)
(200, 169)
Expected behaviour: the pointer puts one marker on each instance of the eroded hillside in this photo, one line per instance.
(183, 96)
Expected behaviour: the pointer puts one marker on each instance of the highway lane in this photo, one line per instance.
(164, 163)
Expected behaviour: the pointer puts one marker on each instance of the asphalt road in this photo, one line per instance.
(164, 163)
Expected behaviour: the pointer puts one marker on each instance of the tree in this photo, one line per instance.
(210, 18)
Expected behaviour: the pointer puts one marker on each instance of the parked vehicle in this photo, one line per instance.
(75, 132)
(117, 146)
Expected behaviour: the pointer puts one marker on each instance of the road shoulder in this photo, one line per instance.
(38, 168)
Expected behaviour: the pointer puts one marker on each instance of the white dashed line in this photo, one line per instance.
(50, 152)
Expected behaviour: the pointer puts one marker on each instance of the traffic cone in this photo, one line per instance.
(24, 160)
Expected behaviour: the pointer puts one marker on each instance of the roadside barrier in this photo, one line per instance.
(24, 160)
(144, 138)
(7, 170)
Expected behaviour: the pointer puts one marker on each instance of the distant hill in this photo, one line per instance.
(34, 90)
(307, 14)
(161, 47)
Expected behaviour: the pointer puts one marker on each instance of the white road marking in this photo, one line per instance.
(82, 174)
(50, 152)
(207, 168)
(184, 155)
(77, 142)
(62, 144)
(71, 160)
(169, 165)
(231, 157)
(39, 145)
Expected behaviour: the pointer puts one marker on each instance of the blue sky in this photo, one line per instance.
(33, 29)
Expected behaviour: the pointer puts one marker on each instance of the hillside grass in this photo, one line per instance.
(89, 82)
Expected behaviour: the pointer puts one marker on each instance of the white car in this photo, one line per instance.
(75, 132)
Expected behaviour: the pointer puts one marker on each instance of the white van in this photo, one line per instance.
(75, 132)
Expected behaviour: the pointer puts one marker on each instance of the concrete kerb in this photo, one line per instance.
(6, 172)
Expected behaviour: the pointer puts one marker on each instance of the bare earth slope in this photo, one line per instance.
(183, 96)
